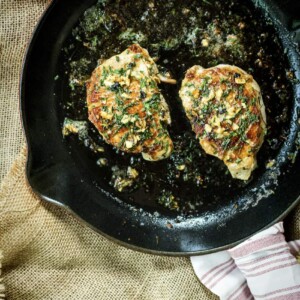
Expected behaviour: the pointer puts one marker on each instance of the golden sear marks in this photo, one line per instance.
(226, 111)
(126, 106)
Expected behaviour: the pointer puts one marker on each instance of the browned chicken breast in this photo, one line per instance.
(226, 111)
(126, 106)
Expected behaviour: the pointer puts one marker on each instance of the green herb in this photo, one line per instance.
(137, 56)
(110, 70)
(232, 134)
(168, 200)
(119, 100)
(143, 82)
(123, 139)
(253, 101)
(146, 134)
(292, 156)
(226, 92)
(204, 86)
(190, 84)
(132, 37)
(238, 160)
(104, 73)
(241, 89)
(243, 99)
(131, 65)
(226, 143)
(153, 102)
(152, 84)
(253, 118)
(121, 72)
(72, 85)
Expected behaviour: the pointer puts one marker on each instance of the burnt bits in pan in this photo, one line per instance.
(180, 34)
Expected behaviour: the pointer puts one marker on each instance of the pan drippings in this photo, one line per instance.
(179, 34)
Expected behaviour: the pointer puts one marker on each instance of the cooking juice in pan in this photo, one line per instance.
(179, 34)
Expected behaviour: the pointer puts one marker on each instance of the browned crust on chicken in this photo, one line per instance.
(126, 106)
(226, 111)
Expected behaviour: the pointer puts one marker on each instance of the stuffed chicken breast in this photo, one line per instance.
(127, 107)
(225, 108)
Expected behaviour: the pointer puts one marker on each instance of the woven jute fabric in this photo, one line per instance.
(2, 288)
(47, 253)
(17, 20)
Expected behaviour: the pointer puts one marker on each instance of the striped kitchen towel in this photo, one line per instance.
(219, 273)
(263, 267)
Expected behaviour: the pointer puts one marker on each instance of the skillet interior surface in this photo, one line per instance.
(64, 172)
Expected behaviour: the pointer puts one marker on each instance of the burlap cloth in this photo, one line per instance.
(47, 253)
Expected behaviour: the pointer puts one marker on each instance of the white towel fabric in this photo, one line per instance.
(264, 267)
(219, 273)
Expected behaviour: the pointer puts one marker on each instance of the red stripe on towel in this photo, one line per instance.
(268, 263)
(219, 279)
(215, 268)
(258, 245)
(278, 291)
(273, 269)
(250, 263)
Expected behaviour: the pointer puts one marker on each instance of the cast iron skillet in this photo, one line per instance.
(65, 176)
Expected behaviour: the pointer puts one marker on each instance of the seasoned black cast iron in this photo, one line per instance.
(64, 174)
